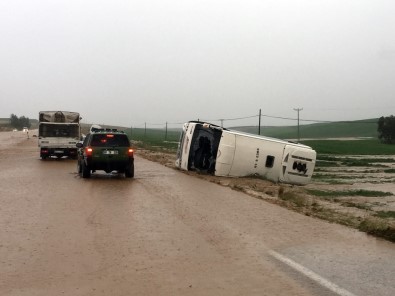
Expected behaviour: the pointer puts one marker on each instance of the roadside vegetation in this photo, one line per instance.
(18, 123)
(344, 170)
(337, 193)
(351, 189)
(156, 139)
(351, 147)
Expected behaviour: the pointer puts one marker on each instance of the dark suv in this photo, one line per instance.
(107, 150)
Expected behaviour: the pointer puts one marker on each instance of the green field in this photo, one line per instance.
(155, 138)
(4, 121)
(342, 129)
(351, 147)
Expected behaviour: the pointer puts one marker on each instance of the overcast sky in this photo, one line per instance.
(127, 62)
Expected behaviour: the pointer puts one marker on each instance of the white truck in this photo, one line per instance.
(58, 133)
(210, 148)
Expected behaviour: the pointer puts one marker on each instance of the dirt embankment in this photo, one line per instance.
(359, 197)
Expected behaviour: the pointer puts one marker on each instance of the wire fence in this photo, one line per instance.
(156, 133)
(223, 121)
(169, 131)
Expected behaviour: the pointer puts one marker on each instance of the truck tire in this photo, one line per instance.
(86, 172)
(129, 171)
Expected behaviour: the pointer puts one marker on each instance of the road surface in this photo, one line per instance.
(166, 233)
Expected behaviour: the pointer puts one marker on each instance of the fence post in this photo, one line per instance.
(259, 126)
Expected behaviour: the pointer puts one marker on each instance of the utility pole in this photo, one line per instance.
(298, 110)
(166, 132)
(145, 129)
(222, 122)
(259, 126)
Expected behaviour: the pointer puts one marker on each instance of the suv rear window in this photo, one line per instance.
(110, 140)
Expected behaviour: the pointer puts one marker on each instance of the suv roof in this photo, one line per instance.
(106, 139)
(106, 130)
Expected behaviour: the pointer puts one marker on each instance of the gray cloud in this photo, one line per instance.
(130, 62)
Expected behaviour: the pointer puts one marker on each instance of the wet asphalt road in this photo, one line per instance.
(167, 233)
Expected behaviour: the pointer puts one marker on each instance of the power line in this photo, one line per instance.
(230, 119)
(257, 115)
(316, 120)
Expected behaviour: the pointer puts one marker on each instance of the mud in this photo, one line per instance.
(353, 211)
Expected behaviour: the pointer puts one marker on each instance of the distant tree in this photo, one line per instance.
(19, 122)
(24, 121)
(386, 129)
(14, 120)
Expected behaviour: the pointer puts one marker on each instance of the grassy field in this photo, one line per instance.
(155, 138)
(4, 120)
(351, 147)
(343, 129)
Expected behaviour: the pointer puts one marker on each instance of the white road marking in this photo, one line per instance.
(311, 274)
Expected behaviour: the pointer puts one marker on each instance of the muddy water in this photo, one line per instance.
(166, 233)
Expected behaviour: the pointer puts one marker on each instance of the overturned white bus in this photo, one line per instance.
(210, 148)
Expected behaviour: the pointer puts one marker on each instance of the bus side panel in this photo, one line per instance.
(297, 165)
(225, 154)
(256, 156)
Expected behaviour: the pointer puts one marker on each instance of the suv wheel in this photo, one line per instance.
(86, 172)
(129, 171)
(79, 167)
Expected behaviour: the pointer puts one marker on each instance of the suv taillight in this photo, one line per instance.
(130, 152)
(88, 151)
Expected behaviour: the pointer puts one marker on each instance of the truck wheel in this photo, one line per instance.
(129, 171)
(86, 172)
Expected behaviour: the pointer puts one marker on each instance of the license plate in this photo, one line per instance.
(58, 151)
(110, 152)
